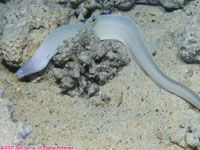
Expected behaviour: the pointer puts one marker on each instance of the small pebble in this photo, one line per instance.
(190, 73)
(24, 131)
(105, 98)
(127, 5)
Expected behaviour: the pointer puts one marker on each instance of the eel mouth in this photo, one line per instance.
(20, 73)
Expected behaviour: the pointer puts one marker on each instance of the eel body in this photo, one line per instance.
(119, 28)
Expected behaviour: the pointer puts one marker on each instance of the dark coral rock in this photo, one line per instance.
(84, 62)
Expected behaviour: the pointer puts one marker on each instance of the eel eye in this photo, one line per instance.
(19, 73)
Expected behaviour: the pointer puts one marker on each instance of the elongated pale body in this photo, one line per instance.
(115, 27)
(48, 48)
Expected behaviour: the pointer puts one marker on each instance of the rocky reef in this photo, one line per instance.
(25, 26)
(85, 62)
(187, 40)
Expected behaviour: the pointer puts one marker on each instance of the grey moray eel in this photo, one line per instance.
(115, 27)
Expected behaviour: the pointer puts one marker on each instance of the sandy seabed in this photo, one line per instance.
(148, 117)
